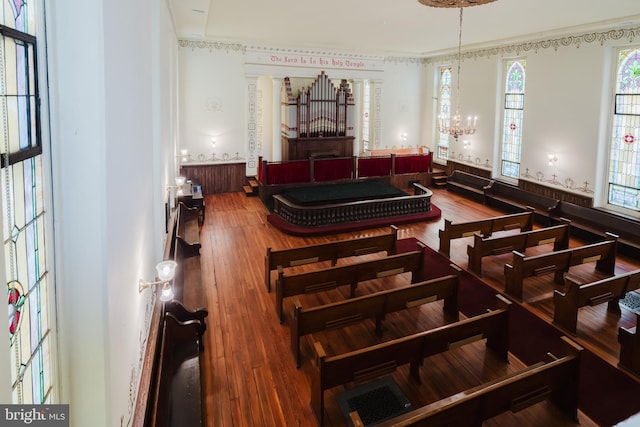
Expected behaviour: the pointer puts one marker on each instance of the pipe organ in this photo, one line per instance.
(318, 121)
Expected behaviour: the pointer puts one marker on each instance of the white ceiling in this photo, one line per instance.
(392, 27)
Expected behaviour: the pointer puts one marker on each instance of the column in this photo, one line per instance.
(252, 125)
(276, 139)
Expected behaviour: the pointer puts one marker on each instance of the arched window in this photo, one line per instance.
(624, 157)
(444, 110)
(512, 122)
(28, 285)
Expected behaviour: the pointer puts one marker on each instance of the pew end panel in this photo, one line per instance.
(188, 229)
(179, 369)
(577, 295)
(629, 340)
(498, 340)
(183, 314)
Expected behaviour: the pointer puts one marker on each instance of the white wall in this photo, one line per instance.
(110, 164)
(567, 105)
(212, 102)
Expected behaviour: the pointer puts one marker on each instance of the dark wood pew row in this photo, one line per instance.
(577, 295)
(512, 198)
(587, 222)
(328, 252)
(468, 184)
(177, 395)
(629, 340)
(554, 379)
(170, 385)
(559, 262)
(349, 274)
(188, 231)
(376, 305)
(381, 359)
(486, 246)
(484, 227)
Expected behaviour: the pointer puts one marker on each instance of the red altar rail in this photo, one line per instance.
(334, 169)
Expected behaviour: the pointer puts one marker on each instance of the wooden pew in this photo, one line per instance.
(177, 393)
(467, 184)
(629, 340)
(588, 222)
(485, 246)
(576, 295)
(381, 359)
(555, 379)
(485, 227)
(188, 231)
(328, 252)
(376, 305)
(559, 262)
(169, 390)
(514, 199)
(350, 274)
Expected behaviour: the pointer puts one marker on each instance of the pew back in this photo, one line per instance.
(559, 262)
(486, 246)
(555, 379)
(332, 277)
(381, 359)
(484, 227)
(377, 305)
(577, 295)
(331, 251)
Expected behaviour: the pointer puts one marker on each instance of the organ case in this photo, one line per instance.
(318, 121)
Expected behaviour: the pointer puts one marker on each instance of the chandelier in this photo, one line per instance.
(453, 125)
(454, 3)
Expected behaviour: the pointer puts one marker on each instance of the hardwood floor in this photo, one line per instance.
(249, 375)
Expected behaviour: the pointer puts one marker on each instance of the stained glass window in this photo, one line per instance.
(28, 288)
(512, 122)
(444, 110)
(624, 157)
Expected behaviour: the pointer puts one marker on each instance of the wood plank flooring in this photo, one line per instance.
(249, 375)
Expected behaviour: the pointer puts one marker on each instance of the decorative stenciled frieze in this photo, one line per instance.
(628, 34)
(211, 46)
(555, 180)
(315, 59)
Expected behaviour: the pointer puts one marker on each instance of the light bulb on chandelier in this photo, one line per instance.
(454, 125)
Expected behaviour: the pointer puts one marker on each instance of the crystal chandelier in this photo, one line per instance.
(454, 125)
(454, 3)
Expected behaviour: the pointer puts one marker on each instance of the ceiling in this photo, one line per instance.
(392, 27)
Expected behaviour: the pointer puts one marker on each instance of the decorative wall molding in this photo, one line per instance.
(629, 34)
(600, 37)
(211, 46)
(566, 183)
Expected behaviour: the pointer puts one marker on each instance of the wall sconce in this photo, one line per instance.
(184, 156)
(213, 142)
(466, 144)
(180, 181)
(551, 159)
(165, 270)
(403, 136)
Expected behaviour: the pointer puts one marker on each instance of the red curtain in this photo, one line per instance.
(413, 164)
(333, 169)
(374, 166)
